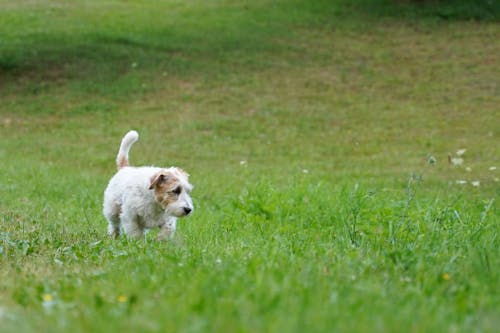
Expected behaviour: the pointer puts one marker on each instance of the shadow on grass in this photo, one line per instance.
(449, 10)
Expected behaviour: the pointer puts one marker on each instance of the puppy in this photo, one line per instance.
(139, 198)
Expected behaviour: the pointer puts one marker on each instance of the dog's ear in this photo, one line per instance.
(158, 179)
(182, 172)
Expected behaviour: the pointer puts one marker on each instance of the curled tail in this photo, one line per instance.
(127, 142)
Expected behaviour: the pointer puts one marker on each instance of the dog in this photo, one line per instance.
(140, 198)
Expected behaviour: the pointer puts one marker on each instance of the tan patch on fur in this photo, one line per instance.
(164, 182)
(117, 208)
(122, 162)
(166, 200)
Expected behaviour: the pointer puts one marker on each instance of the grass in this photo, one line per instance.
(317, 135)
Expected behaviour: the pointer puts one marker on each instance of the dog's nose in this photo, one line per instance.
(187, 210)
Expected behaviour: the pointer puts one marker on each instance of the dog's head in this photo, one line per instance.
(172, 188)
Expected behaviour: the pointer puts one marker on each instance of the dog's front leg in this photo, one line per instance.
(131, 225)
(167, 229)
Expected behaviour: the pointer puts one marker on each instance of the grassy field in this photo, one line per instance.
(317, 134)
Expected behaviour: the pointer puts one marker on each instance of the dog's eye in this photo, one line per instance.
(177, 190)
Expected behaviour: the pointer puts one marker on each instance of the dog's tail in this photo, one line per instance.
(127, 142)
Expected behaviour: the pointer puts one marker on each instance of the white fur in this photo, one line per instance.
(128, 140)
(131, 203)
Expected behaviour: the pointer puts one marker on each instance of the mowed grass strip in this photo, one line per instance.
(317, 136)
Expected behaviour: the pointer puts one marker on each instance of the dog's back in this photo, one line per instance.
(129, 180)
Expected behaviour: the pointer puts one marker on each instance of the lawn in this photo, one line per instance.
(345, 157)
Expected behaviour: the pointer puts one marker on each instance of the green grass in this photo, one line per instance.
(308, 128)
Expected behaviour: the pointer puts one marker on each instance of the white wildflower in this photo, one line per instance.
(475, 183)
(305, 171)
(243, 162)
(134, 65)
(431, 160)
(492, 168)
(461, 182)
(460, 152)
(457, 161)
(468, 169)
(405, 279)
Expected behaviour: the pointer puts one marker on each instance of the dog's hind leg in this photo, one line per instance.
(112, 214)
(114, 226)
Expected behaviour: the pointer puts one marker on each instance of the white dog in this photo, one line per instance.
(139, 198)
